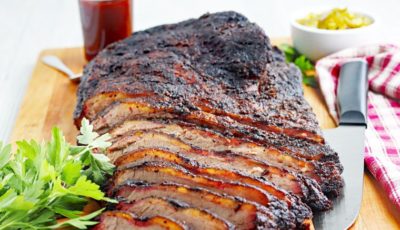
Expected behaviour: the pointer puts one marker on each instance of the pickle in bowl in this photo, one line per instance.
(335, 19)
(317, 33)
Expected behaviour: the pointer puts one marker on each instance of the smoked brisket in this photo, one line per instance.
(207, 120)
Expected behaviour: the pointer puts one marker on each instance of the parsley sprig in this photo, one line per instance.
(301, 61)
(43, 182)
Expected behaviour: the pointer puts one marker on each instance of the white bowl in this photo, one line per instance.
(317, 43)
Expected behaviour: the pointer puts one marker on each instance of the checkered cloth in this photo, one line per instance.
(382, 151)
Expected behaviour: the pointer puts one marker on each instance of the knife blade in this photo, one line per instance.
(348, 141)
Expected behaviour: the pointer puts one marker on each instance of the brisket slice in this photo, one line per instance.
(139, 108)
(180, 212)
(164, 172)
(117, 220)
(241, 214)
(152, 104)
(301, 211)
(200, 164)
(305, 188)
(211, 140)
(327, 174)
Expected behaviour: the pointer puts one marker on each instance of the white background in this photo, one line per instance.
(28, 26)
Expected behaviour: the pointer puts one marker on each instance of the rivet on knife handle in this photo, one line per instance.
(352, 93)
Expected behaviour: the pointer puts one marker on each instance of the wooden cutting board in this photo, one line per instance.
(50, 100)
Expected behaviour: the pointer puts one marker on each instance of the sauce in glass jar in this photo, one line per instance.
(104, 22)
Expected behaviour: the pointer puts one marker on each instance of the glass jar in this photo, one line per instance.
(104, 22)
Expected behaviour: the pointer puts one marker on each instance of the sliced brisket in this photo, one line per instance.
(137, 108)
(180, 212)
(118, 220)
(307, 189)
(164, 172)
(327, 174)
(242, 214)
(301, 211)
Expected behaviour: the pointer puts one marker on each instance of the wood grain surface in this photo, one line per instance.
(50, 100)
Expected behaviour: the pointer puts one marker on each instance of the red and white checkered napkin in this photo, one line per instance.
(382, 151)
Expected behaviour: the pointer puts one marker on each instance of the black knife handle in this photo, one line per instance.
(352, 93)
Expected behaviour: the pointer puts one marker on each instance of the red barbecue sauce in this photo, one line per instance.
(104, 22)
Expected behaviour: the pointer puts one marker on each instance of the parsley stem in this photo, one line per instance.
(3, 218)
(17, 224)
(5, 226)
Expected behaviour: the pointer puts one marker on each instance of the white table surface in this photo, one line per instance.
(29, 26)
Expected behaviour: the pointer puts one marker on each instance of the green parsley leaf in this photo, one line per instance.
(7, 199)
(98, 167)
(302, 62)
(84, 187)
(289, 51)
(310, 81)
(92, 139)
(44, 218)
(47, 181)
(57, 149)
(79, 222)
(21, 203)
(67, 213)
(102, 141)
(87, 135)
(5, 154)
(71, 171)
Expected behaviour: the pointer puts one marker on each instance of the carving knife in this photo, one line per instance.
(348, 141)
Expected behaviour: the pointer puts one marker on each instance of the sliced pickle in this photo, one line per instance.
(336, 19)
